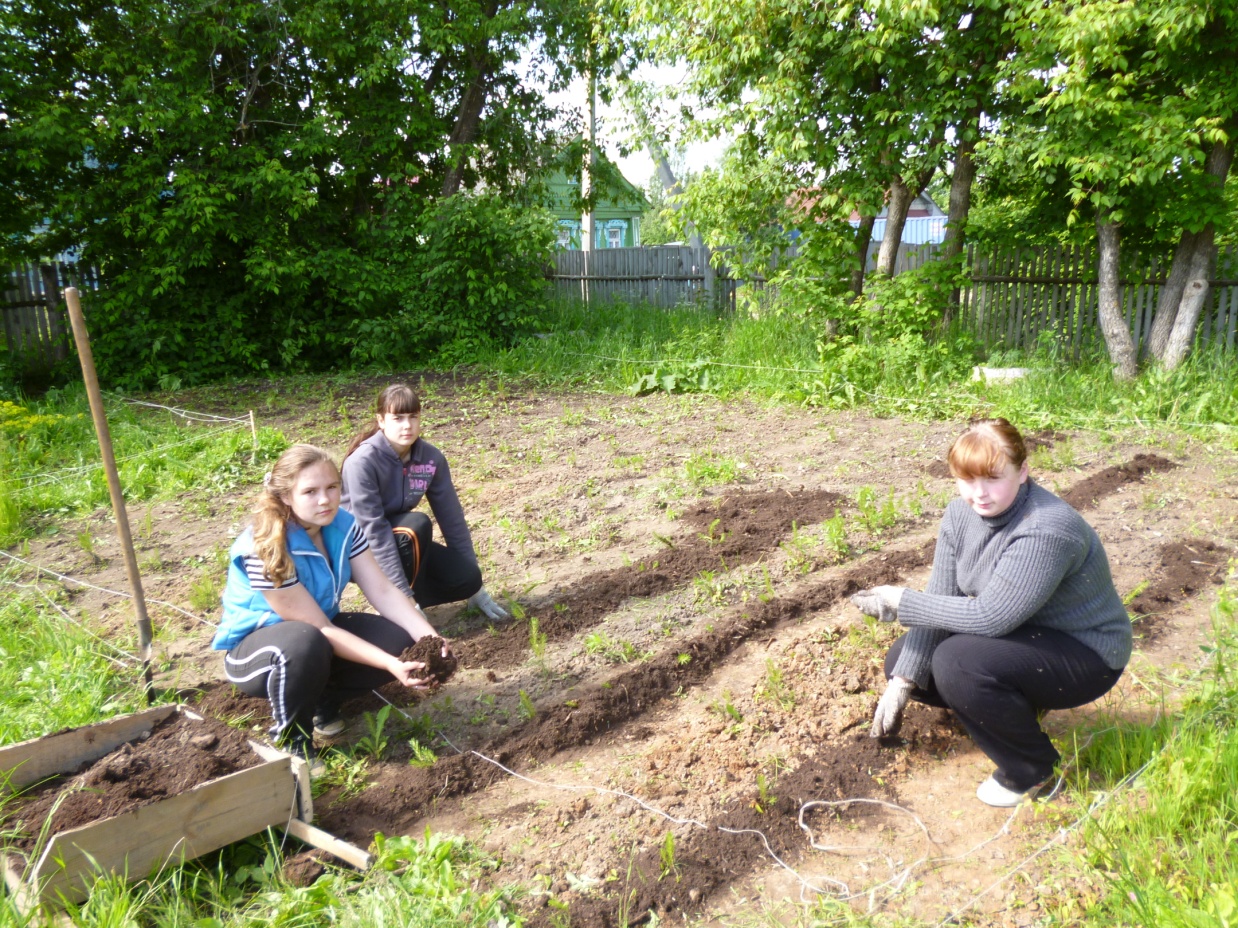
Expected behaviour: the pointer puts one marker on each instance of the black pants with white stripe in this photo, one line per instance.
(997, 687)
(293, 665)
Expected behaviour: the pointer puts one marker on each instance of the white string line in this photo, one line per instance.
(843, 893)
(59, 476)
(1102, 800)
(103, 589)
(189, 414)
(72, 621)
(877, 396)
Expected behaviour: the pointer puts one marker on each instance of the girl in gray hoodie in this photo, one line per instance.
(387, 471)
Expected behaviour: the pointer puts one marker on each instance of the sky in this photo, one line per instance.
(614, 131)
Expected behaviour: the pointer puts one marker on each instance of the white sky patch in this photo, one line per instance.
(615, 132)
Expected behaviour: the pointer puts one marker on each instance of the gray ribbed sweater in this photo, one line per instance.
(1038, 562)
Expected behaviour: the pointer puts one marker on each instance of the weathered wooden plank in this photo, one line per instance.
(30, 761)
(316, 837)
(177, 828)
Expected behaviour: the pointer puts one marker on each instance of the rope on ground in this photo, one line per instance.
(1102, 799)
(72, 621)
(842, 891)
(102, 589)
(38, 480)
(187, 414)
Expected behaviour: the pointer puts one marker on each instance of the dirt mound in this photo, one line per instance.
(1087, 492)
(739, 840)
(400, 795)
(1186, 567)
(732, 530)
(180, 754)
(429, 651)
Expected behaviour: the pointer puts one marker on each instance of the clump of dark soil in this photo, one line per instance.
(429, 651)
(179, 754)
(1087, 492)
(730, 531)
(1186, 567)
(305, 868)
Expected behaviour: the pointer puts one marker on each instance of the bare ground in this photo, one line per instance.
(696, 669)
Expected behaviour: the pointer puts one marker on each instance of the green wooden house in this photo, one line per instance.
(616, 216)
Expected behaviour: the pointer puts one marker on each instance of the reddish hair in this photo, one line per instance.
(985, 449)
(397, 398)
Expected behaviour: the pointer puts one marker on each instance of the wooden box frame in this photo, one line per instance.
(205, 818)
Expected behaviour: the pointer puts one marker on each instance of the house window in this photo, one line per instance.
(565, 237)
(614, 238)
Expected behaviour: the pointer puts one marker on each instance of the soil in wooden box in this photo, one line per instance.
(180, 753)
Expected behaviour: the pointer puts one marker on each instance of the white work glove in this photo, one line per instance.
(484, 603)
(881, 602)
(889, 714)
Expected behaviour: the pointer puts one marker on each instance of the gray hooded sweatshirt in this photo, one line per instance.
(378, 487)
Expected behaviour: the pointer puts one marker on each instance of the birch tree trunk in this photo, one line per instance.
(960, 199)
(1171, 296)
(1194, 295)
(1185, 292)
(468, 119)
(1118, 338)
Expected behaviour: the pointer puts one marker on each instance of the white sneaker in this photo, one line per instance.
(992, 793)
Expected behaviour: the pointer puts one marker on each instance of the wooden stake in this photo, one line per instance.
(253, 431)
(82, 338)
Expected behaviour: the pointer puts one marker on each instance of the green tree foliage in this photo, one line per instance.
(253, 177)
(1119, 113)
(479, 278)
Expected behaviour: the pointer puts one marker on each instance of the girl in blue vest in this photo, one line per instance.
(282, 628)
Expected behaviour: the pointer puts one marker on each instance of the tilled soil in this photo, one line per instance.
(697, 671)
(179, 754)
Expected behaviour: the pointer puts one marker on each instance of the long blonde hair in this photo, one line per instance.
(272, 514)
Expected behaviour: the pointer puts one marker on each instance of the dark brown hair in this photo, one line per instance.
(397, 398)
(985, 449)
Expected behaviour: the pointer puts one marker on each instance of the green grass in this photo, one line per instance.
(780, 357)
(54, 674)
(50, 457)
(1164, 850)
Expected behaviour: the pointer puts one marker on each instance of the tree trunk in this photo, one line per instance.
(897, 205)
(960, 198)
(468, 119)
(1112, 323)
(1194, 294)
(863, 238)
(1173, 330)
(1171, 296)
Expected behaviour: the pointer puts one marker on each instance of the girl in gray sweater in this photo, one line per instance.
(388, 470)
(1020, 615)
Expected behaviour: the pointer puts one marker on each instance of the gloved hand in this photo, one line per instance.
(485, 604)
(881, 602)
(889, 714)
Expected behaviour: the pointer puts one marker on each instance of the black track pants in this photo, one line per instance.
(293, 665)
(436, 573)
(996, 686)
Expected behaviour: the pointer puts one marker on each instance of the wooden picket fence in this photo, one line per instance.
(1019, 296)
(663, 275)
(1016, 296)
(36, 327)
